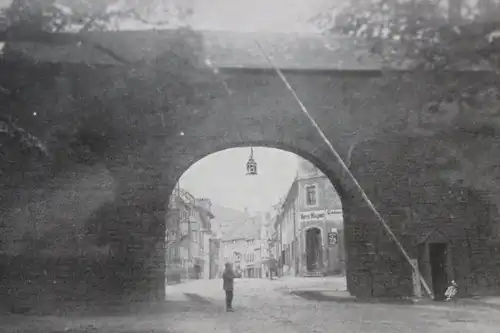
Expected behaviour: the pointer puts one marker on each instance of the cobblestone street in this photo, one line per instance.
(264, 305)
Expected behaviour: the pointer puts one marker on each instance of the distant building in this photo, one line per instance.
(308, 226)
(215, 253)
(266, 236)
(245, 255)
(202, 234)
(243, 247)
(188, 237)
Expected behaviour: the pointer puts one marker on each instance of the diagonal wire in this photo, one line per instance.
(346, 169)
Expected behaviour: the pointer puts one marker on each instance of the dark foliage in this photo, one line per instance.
(431, 38)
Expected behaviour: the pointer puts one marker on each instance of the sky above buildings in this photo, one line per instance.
(236, 15)
(222, 178)
(248, 15)
(257, 15)
(243, 15)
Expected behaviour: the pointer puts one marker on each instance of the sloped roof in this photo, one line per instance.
(108, 47)
(244, 229)
(288, 51)
(231, 223)
(224, 49)
(225, 214)
(225, 218)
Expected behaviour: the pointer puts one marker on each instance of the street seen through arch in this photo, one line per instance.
(282, 217)
(239, 166)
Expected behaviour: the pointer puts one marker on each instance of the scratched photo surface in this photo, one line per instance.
(187, 166)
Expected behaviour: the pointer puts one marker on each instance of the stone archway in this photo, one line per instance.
(360, 225)
(259, 112)
(371, 126)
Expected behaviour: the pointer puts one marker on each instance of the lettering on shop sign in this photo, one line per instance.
(320, 215)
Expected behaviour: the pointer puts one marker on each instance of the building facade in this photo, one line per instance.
(267, 243)
(189, 254)
(245, 254)
(309, 226)
(216, 263)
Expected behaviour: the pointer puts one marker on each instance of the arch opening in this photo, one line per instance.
(285, 221)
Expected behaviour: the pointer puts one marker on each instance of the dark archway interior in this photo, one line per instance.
(313, 249)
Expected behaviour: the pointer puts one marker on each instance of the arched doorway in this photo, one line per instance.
(314, 249)
(358, 228)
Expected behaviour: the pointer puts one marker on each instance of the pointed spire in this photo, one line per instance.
(251, 164)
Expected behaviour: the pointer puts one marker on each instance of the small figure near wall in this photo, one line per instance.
(451, 291)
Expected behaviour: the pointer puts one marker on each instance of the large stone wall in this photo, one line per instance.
(377, 127)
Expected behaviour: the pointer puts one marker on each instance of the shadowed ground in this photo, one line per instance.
(263, 305)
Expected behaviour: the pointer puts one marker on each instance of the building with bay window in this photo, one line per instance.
(190, 241)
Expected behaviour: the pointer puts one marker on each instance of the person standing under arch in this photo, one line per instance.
(228, 286)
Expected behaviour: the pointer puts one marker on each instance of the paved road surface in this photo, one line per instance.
(268, 306)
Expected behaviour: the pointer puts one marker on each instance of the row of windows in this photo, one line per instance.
(186, 213)
(248, 242)
(248, 257)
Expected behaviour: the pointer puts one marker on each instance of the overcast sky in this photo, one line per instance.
(253, 15)
(245, 15)
(222, 178)
(257, 15)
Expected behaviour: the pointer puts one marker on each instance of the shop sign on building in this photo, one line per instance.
(320, 215)
(333, 237)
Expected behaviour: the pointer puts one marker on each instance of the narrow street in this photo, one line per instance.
(264, 305)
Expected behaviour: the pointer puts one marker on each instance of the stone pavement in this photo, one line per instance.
(335, 289)
(271, 305)
(264, 305)
(492, 302)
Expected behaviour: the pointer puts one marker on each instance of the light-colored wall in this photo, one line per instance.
(326, 194)
(288, 223)
(246, 249)
(327, 199)
(206, 255)
(231, 246)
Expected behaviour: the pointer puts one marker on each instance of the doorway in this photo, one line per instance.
(438, 258)
(313, 249)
